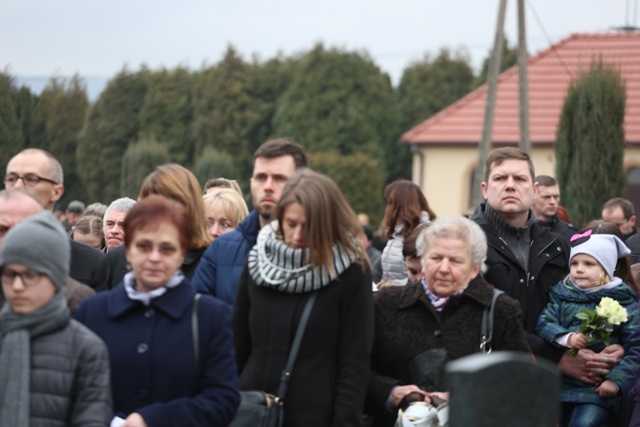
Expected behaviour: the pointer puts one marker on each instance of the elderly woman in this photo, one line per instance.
(419, 327)
(224, 208)
(172, 359)
(310, 248)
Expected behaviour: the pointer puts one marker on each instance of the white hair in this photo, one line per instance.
(456, 227)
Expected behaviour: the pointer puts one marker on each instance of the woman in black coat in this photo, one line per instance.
(419, 327)
(310, 247)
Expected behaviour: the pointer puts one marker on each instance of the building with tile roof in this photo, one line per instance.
(445, 145)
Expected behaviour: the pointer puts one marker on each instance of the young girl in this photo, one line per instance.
(593, 261)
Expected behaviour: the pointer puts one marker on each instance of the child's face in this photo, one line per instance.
(25, 290)
(586, 271)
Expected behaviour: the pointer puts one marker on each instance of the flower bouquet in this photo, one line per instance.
(598, 325)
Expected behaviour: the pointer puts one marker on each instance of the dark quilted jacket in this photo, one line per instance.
(69, 379)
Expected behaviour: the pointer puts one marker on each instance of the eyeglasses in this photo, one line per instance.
(29, 179)
(29, 277)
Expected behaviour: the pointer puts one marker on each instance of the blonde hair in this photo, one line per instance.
(178, 183)
(233, 205)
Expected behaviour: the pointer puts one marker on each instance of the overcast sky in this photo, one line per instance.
(97, 38)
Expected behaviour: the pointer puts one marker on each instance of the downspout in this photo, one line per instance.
(416, 151)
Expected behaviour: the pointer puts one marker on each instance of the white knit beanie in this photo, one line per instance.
(606, 248)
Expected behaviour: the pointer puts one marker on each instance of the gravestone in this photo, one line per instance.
(503, 389)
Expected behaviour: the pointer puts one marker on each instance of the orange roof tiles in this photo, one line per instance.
(550, 73)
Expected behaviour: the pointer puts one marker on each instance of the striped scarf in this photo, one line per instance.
(273, 264)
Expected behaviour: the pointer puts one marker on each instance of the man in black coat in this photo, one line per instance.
(545, 206)
(525, 259)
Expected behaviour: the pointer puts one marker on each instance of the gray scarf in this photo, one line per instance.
(17, 331)
(273, 264)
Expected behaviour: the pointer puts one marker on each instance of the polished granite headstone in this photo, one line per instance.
(502, 389)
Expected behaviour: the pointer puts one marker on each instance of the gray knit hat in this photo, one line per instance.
(606, 248)
(41, 244)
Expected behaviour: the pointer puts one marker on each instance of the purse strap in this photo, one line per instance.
(293, 354)
(486, 328)
(196, 338)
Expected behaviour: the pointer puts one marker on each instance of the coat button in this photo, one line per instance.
(142, 348)
(437, 333)
(521, 280)
(148, 313)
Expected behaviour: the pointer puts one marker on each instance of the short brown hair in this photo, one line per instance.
(282, 147)
(499, 155)
(627, 207)
(154, 210)
(545, 180)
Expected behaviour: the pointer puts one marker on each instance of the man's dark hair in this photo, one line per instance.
(545, 180)
(282, 147)
(627, 207)
(499, 155)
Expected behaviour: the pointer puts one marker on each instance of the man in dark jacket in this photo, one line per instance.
(525, 259)
(545, 206)
(274, 162)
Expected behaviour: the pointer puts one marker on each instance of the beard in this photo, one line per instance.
(265, 212)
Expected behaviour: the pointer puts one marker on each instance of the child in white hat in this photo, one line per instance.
(592, 277)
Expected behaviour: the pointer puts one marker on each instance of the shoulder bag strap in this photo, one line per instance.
(486, 329)
(286, 374)
(196, 338)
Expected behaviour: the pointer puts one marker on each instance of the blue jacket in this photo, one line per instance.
(221, 265)
(151, 352)
(559, 318)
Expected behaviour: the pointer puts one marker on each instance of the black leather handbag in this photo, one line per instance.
(260, 409)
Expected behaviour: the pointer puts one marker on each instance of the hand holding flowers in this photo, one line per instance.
(598, 325)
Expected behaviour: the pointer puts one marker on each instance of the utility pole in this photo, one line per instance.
(492, 85)
(523, 80)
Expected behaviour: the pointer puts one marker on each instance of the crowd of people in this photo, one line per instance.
(160, 311)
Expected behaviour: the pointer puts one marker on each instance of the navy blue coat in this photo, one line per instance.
(221, 265)
(152, 356)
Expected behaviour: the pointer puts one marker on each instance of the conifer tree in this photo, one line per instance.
(140, 159)
(590, 142)
(11, 137)
(112, 123)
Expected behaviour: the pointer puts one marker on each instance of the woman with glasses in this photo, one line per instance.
(54, 371)
(172, 358)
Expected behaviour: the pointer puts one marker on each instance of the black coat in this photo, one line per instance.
(560, 227)
(328, 381)
(407, 324)
(88, 266)
(548, 264)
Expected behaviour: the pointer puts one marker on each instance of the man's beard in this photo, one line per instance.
(265, 212)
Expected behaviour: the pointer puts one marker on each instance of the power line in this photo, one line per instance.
(544, 31)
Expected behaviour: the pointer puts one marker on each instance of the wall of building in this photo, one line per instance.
(445, 173)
